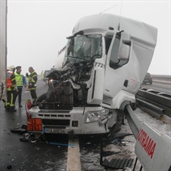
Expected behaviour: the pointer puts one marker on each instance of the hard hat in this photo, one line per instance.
(11, 67)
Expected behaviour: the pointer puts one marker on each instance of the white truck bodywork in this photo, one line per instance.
(105, 62)
(152, 149)
(143, 39)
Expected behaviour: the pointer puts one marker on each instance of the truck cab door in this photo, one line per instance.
(117, 58)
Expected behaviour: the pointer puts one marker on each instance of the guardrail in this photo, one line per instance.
(157, 103)
(166, 79)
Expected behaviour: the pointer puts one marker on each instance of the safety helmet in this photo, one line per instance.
(11, 68)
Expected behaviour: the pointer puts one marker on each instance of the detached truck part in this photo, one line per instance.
(105, 61)
(152, 146)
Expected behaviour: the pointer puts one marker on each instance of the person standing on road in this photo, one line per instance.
(11, 90)
(20, 82)
(32, 80)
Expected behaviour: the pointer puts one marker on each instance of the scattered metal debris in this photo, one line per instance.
(115, 162)
(22, 129)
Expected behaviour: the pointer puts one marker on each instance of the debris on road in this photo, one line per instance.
(116, 160)
(22, 129)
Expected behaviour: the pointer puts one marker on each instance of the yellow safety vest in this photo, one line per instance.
(19, 79)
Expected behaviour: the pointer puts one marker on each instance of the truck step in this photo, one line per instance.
(117, 163)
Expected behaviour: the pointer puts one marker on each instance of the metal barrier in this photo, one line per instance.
(166, 79)
(154, 102)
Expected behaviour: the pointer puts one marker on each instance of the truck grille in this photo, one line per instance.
(52, 122)
(54, 115)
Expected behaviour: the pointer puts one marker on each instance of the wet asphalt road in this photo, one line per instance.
(16, 155)
(27, 156)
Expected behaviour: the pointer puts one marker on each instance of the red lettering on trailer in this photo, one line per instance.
(147, 143)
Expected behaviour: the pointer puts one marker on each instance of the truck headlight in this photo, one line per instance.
(95, 116)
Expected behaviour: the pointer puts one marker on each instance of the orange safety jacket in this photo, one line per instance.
(9, 83)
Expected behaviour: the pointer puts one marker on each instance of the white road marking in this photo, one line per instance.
(73, 159)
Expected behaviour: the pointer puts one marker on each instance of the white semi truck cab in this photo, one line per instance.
(105, 61)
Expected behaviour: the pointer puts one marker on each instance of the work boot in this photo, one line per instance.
(12, 109)
(19, 103)
(7, 108)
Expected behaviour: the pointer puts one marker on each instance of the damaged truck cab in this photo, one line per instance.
(105, 61)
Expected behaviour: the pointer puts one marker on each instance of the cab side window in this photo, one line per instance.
(115, 52)
(115, 60)
(107, 43)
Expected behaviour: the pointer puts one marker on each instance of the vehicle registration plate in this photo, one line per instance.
(54, 130)
(34, 124)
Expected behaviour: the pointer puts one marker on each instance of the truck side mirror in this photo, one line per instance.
(125, 37)
(124, 49)
(123, 52)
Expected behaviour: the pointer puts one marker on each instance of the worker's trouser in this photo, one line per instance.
(10, 103)
(33, 94)
(19, 94)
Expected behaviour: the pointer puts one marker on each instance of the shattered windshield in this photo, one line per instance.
(83, 47)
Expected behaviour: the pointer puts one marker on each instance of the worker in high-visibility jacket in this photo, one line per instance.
(11, 90)
(20, 82)
(32, 80)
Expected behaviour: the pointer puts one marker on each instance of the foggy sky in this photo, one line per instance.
(37, 30)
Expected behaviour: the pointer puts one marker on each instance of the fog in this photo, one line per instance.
(37, 30)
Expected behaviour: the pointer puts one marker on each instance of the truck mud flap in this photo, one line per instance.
(115, 163)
